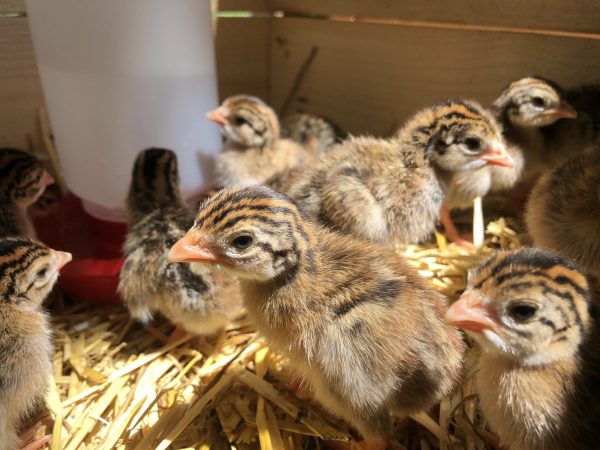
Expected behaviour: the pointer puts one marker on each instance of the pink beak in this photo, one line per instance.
(218, 116)
(563, 111)
(497, 156)
(192, 248)
(63, 258)
(46, 180)
(470, 314)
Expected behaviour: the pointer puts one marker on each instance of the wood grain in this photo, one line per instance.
(573, 15)
(20, 88)
(242, 49)
(243, 5)
(369, 78)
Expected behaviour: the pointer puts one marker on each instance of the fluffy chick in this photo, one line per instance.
(22, 181)
(254, 151)
(563, 211)
(192, 296)
(530, 314)
(361, 325)
(28, 270)
(392, 189)
(528, 110)
(313, 132)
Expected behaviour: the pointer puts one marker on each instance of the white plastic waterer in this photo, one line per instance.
(119, 77)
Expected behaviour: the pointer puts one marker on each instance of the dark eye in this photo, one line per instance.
(473, 144)
(537, 101)
(522, 312)
(242, 242)
(42, 273)
(239, 121)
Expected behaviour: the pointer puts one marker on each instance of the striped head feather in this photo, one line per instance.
(247, 121)
(255, 232)
(532, 102)
(28, 270)
(529, 305)
(22, 177)
(154, 182)
(456, 135)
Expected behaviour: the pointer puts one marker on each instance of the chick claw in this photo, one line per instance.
(38, 443)
(26, 436)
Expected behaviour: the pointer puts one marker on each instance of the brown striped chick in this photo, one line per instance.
(191, 296)
(361, 325)
(529, 312)
(22, 181)
(392, 189)
(563, 211)
(466, 185)
(528, 109)
(567, 137)
(28, 270)
(313, 132)
(253, 151)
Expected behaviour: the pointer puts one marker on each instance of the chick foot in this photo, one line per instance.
(452, 232)
(30, 434)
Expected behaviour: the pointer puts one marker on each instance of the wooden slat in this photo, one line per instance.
(243, 56)
(573, 15)
(369, 78)
(243, 5)
(20, 89)
(12, 6)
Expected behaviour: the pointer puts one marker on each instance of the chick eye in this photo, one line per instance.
(522, 312)
(242, 242)
(42, 273)
(473, 144)
(538, 101)
(239, 121)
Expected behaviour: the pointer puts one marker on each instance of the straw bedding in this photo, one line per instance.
(118, 385)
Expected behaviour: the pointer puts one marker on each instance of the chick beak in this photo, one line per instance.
(470, 314)
(218, 116)
(46, 180)
(496, 155)
(192, 248)
(563, 111)
(62, 259)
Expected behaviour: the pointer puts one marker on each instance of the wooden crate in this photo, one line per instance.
(374, 62)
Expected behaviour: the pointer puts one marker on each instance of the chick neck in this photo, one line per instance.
(415, 141)
(16, 221)
(148, 196)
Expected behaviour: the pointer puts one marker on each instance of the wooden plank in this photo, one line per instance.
(20, 88)
(573, 15)
(12, 7)
(368, 78)
(243, 5)
(242, 49)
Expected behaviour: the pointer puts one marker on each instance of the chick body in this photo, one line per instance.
(253, 151)
(29, 270)
(22, 181)
(192, 296)
(529, 311)
(359, 323)
(392, 189)
(563, 211)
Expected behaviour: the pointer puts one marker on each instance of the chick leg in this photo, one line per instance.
(176, 334)
(451, 230)
(30, 434)
(38, 443)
